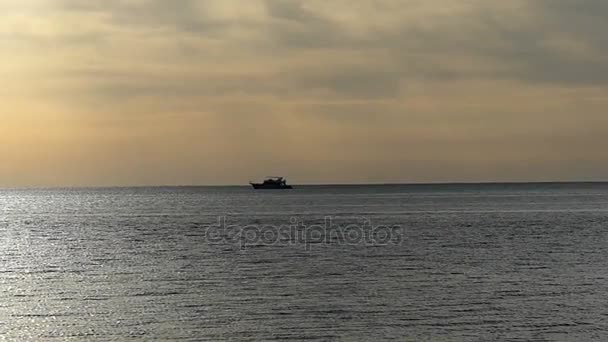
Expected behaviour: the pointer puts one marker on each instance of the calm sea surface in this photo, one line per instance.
(405, 263)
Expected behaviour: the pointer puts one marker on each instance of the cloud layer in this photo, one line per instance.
(218, 91)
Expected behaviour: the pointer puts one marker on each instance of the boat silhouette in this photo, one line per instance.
(272, 183)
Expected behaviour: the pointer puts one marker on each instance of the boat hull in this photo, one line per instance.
(258, 186)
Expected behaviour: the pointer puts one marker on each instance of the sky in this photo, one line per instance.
(204, 92)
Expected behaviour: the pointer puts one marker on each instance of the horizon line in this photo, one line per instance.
(548, 182)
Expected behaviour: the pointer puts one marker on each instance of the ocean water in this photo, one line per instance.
(510, 262)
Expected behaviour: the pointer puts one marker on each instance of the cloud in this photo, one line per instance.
(477, 80)
(368, 49)
(437, 40)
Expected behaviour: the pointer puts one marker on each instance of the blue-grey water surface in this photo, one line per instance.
(511, 262)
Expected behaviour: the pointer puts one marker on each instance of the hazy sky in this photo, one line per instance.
(139, 92)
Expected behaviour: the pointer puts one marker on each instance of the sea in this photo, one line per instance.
(439, 262)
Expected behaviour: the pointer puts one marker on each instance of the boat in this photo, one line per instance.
(272, 183)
